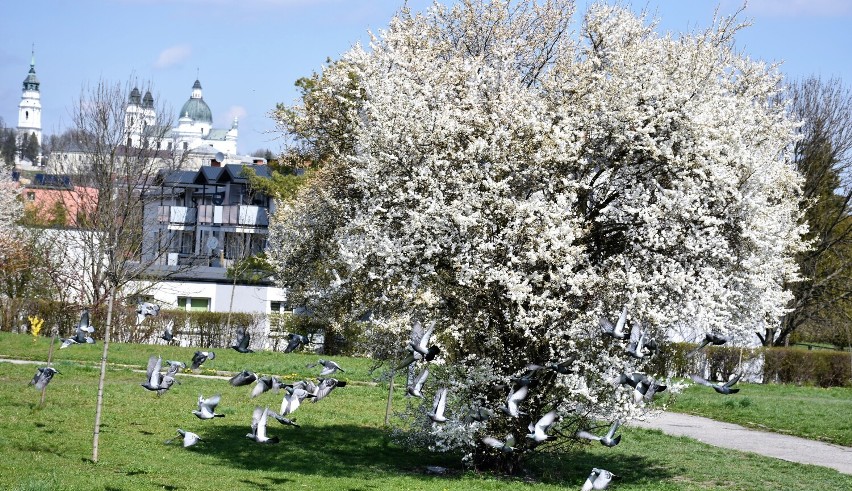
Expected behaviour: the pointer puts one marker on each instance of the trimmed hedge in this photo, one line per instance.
(823, 368)
(804, 367)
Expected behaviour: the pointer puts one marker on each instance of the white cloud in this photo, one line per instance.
(235, 112)
(800, 8)
(173, 55)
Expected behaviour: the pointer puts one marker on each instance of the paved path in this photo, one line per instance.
(729, 435)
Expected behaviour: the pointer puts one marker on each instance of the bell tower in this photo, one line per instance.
(29, 109)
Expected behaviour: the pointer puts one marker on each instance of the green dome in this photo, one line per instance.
(195, 108)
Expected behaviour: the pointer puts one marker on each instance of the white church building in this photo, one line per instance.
(194, 132)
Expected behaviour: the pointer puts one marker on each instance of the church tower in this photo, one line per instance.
(29, 110)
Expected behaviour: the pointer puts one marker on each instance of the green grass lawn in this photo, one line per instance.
(341, 445)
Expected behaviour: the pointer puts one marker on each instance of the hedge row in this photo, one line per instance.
(772, 365)
(796, 366)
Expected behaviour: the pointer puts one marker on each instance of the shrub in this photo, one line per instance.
(823, 368)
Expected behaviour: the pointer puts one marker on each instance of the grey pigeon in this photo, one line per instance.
(616, 331)
(639, 341)
(145, 310)
(710, 338)
(243, 378)
(516, 396)
(505, 446)
(325, 387)
(647, 389)
(329, 367)
(258, 426)
(243, 340)
(720, 388)
(189, 438)
(200, 357)
(438, 406)
(292, 401)
(42, 377)
(479, 414)
(282, 419)
(167, 335)
(538, 431)
(264, 384)
(598, 479)
(418, 345)
(295, 341)
(606, 440)
(207, 407)
(414, 389)
(152, 374)
(81, 332)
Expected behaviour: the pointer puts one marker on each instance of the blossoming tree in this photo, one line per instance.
(516, 183)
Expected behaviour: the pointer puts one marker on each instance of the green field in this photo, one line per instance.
(341, 444)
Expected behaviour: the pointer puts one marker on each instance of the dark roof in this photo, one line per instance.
(179, 178)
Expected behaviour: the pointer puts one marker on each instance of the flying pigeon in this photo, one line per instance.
(538, 431)
(710, 338)
(243, 339)
(295, 341)
(243, 378)
(646, 389)
(720, 388)
(43, 377)
(418, 346)
(167, 335)
(152, 374)
(265, 384)
(598, 479)
(325, 387)
(80, 336)
(616, 331)
(438, 406)
(200, 357)
(478, 414)
(415, 388)
(639, 342)
(329, 367)
(606, 440)
(506, 446)
(282, 419)
(292, 401)
(207, 407)
(189, 438)
(145, 310)
(258, 426)
(516, 396)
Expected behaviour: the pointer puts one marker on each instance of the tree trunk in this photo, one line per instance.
(100, 402)
(390, 397)
(230, 306)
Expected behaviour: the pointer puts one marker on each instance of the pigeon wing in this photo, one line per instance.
(587, 435)
(733, 381)
(699, 380)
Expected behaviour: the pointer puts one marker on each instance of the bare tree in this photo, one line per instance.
(116, 154)
(823, 156)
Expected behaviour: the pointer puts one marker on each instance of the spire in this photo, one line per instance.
(31, 82)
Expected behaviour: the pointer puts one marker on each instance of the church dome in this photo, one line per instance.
(195, 108)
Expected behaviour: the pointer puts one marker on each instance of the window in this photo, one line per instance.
(30, 196)
(194, 304)
(185, 145)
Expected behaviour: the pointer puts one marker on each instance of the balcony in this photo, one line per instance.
(233, 215)
(178, 215)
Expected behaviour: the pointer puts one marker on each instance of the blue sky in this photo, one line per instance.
(248, 53)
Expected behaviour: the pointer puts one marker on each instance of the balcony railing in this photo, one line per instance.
(242, 215)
